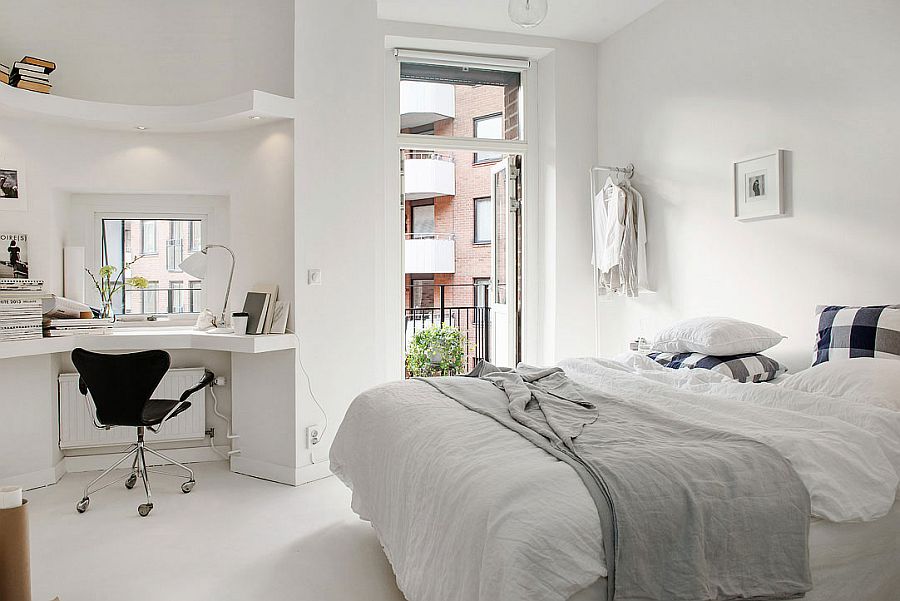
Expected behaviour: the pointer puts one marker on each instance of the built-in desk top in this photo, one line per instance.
(144, 338)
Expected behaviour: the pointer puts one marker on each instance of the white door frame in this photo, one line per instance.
(392, 293)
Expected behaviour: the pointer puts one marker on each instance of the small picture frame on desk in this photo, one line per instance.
(758, 187)
(280, 319)
(12, 187)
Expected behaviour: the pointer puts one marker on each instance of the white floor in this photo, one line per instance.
(233, 537)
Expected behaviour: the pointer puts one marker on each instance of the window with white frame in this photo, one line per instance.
(166, 292)
(489, 127)
(484, 224)
(148, 237)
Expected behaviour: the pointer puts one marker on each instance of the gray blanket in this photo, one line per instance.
(688, 513)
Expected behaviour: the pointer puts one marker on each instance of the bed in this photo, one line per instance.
(468, 510)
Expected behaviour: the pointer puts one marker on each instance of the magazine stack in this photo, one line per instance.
(65, 317)
(20, 309)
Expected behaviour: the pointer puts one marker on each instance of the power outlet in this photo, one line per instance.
(313, 436)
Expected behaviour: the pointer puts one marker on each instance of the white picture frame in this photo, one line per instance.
(759, 187)
(280, 318)
(12, 186)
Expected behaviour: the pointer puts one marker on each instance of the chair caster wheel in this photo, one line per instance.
(188, 486)
(82, 505)
(144, 509)
(130, 481)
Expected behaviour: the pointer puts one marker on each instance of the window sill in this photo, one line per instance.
(184, 319)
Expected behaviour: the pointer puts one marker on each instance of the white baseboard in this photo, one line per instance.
(311, 473)
(37, 479)
(91, 463)
(280, 473)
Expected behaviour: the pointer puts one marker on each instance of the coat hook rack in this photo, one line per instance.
(628, 169)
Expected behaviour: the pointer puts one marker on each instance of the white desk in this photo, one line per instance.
(265, 411)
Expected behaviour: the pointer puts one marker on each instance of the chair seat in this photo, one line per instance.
(156, 409)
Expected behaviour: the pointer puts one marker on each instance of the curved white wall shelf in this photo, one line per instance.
(230, 113)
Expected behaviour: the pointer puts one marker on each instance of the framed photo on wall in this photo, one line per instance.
(12, 187)
(758, 189)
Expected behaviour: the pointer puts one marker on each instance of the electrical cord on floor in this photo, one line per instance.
(309, 388)
(229, 433)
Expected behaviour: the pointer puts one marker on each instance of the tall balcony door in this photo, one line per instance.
(462, 147)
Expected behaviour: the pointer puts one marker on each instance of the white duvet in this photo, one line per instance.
(453, 495)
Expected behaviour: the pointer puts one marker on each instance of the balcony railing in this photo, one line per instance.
(464, 306)
(425, 102)
(429, 253)
(428, 174)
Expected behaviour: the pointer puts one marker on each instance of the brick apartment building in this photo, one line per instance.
(162, 246)
(464, 217)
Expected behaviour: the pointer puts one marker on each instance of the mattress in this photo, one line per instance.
(855, 561)
(453, 498)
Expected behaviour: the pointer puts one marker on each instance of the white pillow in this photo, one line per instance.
(716, 336)
(863, 380)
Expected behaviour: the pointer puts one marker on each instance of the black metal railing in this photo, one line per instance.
(464, 306)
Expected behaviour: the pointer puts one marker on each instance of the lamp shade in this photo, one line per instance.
(195, 264)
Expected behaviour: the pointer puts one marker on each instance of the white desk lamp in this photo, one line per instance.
(196, 265)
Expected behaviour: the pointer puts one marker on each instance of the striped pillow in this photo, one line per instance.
(749, 367)
(849, 332)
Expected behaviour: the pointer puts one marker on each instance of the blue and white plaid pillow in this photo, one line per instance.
(849, 332)
(743, 368)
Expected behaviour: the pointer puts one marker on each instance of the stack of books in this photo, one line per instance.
(65, 317)
(30, 73)
(20, 309)
(54, 328)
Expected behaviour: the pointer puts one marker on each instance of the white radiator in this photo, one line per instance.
(76, 425)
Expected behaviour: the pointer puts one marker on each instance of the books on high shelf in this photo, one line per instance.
(21, 309)
(31, 73)
(4, 73)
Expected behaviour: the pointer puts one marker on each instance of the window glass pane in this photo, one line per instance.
(148, 238)
(489, 128)
(483, 220)
(422, 293)
(443, 100)
(167, 292)
(481, 285)
(500, 235)
(423, 220)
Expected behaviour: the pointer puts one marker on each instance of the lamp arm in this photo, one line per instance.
(230, 276)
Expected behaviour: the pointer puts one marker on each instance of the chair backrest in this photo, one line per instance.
(120, 384)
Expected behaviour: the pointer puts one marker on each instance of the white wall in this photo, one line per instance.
(160, 52)
(695, 85)
(344, 165)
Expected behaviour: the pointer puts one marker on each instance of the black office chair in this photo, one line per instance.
(121, 386)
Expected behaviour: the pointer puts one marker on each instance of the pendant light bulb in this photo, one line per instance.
(527, 13)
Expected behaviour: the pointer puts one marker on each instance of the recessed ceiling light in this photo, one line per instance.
(140, 127)
(255, 117)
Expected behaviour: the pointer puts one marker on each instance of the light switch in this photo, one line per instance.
(314, 277)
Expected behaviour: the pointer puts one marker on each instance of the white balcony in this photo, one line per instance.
(428, 174)
(429, 253)
(424, 102)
